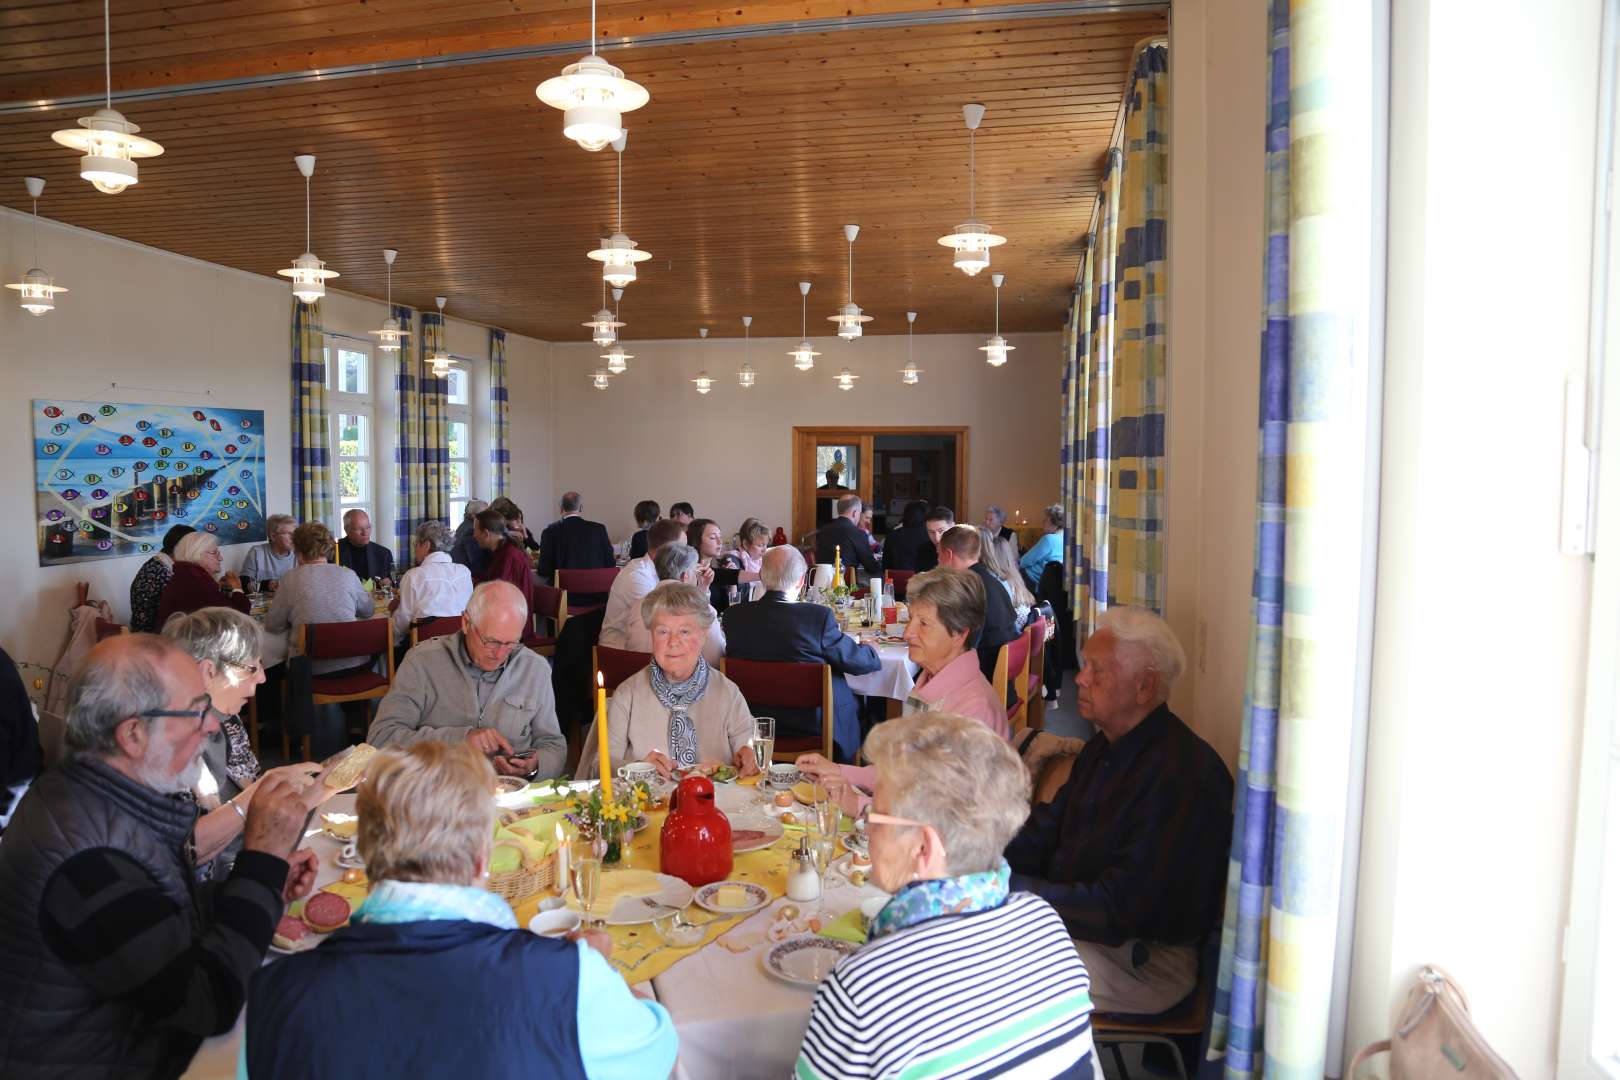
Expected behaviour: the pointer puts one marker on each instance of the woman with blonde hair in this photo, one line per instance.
(997, 554)
(465, 990)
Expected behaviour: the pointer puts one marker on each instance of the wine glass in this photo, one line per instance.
(764, 744)
(821, 853)
(587, 874)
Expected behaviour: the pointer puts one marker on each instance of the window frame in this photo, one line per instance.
(340, 403)
(459, 413)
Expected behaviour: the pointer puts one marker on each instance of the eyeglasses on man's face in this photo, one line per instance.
(196, 711)
(492, 643)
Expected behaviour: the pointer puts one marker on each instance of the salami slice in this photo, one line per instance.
(289, 932)
(746, 836)
(325, 912)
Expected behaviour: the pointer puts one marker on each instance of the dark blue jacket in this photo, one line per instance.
(774, 629)
(572, 543)
(439, 998)
(853, 550)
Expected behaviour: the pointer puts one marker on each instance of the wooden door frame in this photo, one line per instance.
(805, 439)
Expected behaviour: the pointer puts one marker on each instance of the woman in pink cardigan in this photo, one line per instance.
(947, 610)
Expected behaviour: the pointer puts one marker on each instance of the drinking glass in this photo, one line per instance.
(822, 851)
(587, 874)
(764, 744)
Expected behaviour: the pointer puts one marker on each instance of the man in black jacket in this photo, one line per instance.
(777, 628)
(360, 553)
(909, 546)
(572, 543)
(959, 549)
(843, 533)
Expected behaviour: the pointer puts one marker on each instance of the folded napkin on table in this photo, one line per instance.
(847, 927)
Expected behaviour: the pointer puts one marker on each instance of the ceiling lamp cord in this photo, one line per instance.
(106, 45)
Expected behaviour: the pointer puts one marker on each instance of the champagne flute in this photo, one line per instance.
(587, 874)
(821, 853)
(764, 744)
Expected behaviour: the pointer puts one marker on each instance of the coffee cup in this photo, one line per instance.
(783, 774)
(554, 923)
(638, 772)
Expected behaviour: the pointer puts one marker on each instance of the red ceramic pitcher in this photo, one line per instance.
(695, 843)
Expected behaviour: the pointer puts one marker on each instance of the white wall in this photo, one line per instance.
(1217, 228)
(166, 328)
(1480, 633)
(729, 453)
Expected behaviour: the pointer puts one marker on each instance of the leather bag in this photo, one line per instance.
(1436, 1038)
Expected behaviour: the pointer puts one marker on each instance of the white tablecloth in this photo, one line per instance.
(893, 680)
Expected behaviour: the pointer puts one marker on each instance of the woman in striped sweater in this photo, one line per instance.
(960, 978)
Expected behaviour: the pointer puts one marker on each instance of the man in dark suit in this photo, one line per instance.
(959, 549)
(358, 553)
(909, 547)
(780, 629)
(843, 533)
(572, 543)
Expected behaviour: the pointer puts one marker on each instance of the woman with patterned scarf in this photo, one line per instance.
(959, 974)
(678, 712)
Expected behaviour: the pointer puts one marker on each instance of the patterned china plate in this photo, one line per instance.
(805, 961)
(707, 897)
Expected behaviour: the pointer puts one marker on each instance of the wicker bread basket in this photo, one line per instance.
(517, 884)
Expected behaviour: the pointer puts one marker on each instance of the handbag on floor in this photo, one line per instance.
(1436, 1037)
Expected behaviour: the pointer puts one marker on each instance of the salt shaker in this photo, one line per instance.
(802, 883)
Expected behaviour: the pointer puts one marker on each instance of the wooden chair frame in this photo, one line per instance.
(828, 711)
(367, 696)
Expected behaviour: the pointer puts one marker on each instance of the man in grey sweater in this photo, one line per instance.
(481, 685)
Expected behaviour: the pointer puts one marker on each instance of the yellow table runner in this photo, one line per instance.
(639, 953)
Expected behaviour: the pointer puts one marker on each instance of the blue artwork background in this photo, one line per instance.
(110, 479)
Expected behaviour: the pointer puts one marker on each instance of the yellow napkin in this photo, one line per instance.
(847, 927)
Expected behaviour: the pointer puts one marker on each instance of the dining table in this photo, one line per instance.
(734, 1019)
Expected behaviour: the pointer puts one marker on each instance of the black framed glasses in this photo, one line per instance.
(492, 642)
(198, 710)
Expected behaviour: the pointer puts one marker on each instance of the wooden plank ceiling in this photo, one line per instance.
(739, 175)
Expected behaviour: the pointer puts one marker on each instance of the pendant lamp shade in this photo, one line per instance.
(703, 383)
(616, 356)
(909, 374)
(746, 374)
(391, 335)
(440, 360)
(804, 356)
(618, 253)
(307, 272)
(972, 240)
(109, 142)
(995, 348)
(599, 379)
(593, 96)
(850, 317)
(37, 289)
(846, 379)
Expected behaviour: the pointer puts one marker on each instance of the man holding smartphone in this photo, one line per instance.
(481, 685)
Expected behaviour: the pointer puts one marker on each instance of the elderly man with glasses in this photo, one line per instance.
(118, 962)
(479, 685)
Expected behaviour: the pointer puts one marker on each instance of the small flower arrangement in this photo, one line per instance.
(604, 824)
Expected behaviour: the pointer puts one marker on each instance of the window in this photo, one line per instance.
(351, 413)
(458, 439)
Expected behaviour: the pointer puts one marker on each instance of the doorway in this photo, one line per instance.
(886, 466)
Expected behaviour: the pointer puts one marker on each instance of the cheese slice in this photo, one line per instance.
(733, 896)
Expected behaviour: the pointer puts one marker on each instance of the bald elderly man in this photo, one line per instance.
(480, 685)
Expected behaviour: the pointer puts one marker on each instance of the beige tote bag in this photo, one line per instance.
(1436, 1039)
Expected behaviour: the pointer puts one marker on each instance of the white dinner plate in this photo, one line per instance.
(805, 961)
(770, 827)
(631, 911)
(757, 897)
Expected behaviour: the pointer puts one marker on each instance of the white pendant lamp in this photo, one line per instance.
(995, 348)
(38, 291)
(849, 317)
(308, 273)
(746, 374)
(107, 140)
(599, 379)
(846, 379)
(604, 327)
(593, 94)
(804, 357)
(972, 240)
(441, 356)
(909, 373)
(390, 336)
(703, 383)
(618, 254)
(616, 356)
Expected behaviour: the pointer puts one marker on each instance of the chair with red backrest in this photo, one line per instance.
(105, 629)
(1011, 664)
(330, 641)
(438, 626)
(897, 579)
(1034, 694)
(769, 684)
(616, 665)
(587, 584)
(549, 606)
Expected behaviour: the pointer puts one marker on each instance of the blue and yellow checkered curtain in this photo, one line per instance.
(311, 462)
(1114, 389)
(1136, 436)
(434, 452)
(1274, 990)
(500, 453)
(408, 441)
